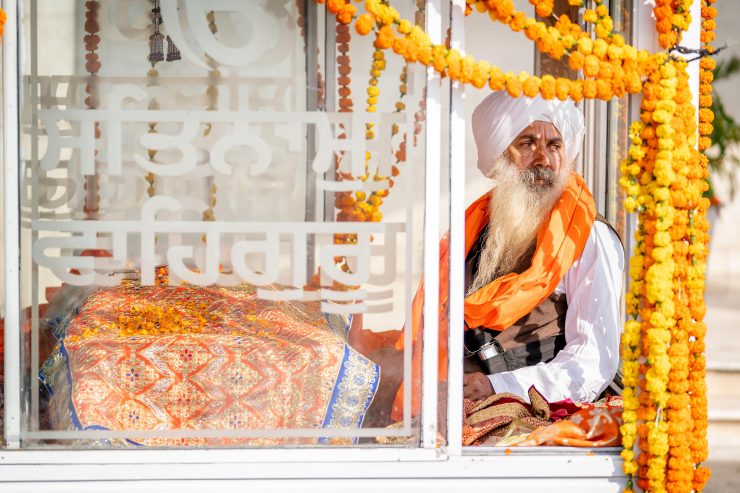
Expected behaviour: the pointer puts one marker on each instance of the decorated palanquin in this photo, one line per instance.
(181, 150)
(134, 357)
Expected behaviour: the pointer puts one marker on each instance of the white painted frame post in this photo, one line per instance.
(430, 333)
(11, 112)
(457, 242)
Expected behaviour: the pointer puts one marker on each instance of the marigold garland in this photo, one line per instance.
(91, 203)
(706, 75)
(697, 234)
(615, 67)
(362, 206)
(672, 18)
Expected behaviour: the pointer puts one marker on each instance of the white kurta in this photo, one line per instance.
(593, 324)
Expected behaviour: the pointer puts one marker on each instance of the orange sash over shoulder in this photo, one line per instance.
(560, 241)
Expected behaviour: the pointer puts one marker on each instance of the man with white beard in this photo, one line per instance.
(543, 270)
(567, 344)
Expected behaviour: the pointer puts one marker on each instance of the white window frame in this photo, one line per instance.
(431, 467)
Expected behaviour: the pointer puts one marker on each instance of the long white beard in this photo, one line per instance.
(518, 206)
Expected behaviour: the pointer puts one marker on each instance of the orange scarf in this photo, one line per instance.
(499, 304)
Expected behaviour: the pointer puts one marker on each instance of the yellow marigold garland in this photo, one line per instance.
(664, 178)
(632, 168)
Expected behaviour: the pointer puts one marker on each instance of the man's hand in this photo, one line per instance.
(476, 386)
(390, 361)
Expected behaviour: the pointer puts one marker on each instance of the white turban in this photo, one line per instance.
(499, 118)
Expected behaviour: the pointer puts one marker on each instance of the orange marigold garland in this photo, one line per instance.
(91, 205)
(698, 239)
(616, 68)
(3, 18)
(672, 18)
(680, 470)
(706, 75)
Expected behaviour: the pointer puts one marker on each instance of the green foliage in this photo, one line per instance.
(726, 132)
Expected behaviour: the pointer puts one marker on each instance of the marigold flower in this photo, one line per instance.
(591, 66)
(364, 24)
(576, 60)
(513, 87)
(547, 86)
(531, 86)
(576, 90)
(497, 79)
(589, 88)
(384, 38)
(562, 88)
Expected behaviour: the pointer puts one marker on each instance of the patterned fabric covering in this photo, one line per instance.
(238, 363)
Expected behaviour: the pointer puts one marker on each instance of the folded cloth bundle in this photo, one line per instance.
(502, 415)
(508, 420)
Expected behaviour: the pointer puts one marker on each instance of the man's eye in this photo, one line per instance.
(555, 146)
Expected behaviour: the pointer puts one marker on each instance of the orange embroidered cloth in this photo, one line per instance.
(255, 365)
(560, 241)
(595, 427)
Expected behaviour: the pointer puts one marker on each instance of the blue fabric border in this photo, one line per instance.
(336, 393)
(344, 331)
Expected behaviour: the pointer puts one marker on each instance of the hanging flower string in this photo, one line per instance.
(672, 18)
(91, 205)
(362, 206)
(611, 67)
(663, 177)
(3, 18)
(706, 75)
(698, 237)
(212, 92)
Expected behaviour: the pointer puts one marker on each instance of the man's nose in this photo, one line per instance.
(540, 157)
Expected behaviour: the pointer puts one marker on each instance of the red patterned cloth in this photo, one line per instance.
(255, 365)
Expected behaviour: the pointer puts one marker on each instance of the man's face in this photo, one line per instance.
(538, 153)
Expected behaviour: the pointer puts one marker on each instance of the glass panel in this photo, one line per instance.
(219, 249)
(496, 43)
(619, 121)
(2, 271)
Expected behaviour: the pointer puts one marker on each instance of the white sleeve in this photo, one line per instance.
(593, 323)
